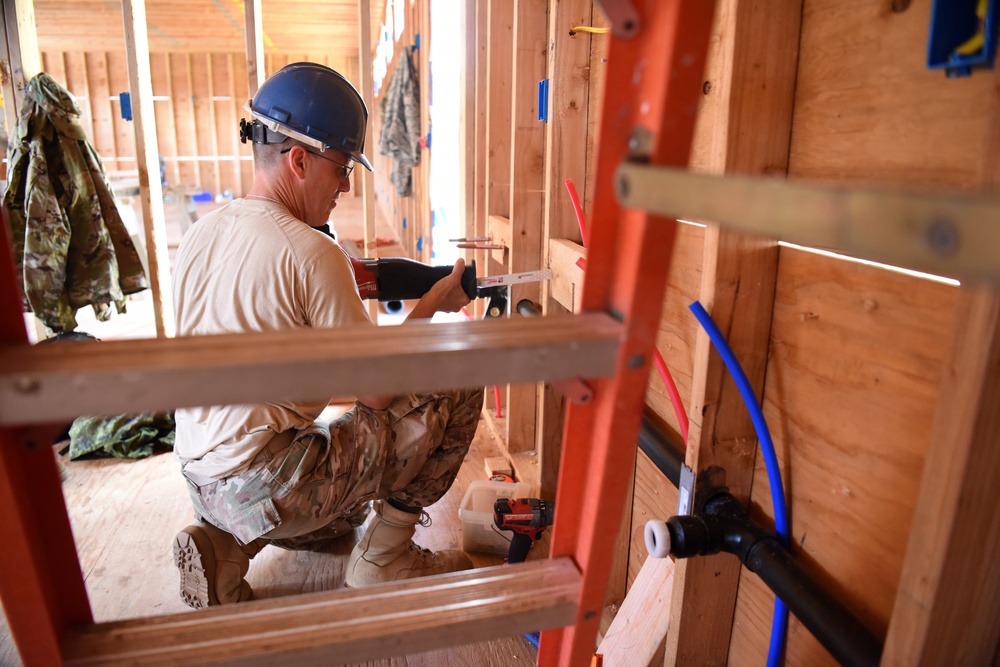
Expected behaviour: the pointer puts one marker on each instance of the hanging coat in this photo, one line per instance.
(400, 138)
(70, 244)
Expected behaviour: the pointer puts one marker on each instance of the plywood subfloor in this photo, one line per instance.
(126, 513)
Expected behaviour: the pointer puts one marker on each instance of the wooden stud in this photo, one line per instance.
(22, 59)
(213, 124)
(947, 607)
(254, 31)
(365, 178)
(644, 616)
(147, 154)
(527, 142)
(499, 61)
(565, 158)
(168, 126)
(481, 138)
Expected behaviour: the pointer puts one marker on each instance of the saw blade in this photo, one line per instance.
(514, 278)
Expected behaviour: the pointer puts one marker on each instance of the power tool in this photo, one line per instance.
(402, 278)
(527, 517)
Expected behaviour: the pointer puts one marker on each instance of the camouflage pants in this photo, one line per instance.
(315, 489)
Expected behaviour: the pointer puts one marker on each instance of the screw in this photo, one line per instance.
(588, 615)
(27, 385)
(706, 87)
(636, 361)
(942, 236)
(622, 187)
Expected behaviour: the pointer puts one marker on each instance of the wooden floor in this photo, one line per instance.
(126, 513)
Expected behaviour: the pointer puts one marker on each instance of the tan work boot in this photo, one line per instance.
(212, 566)
(386, 552)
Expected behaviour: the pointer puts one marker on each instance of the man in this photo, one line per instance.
(270, 473)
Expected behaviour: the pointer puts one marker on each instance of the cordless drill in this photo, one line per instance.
(527, 517)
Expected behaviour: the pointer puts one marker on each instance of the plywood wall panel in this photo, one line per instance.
(201, 99)
(163, 108)
(678, 326)
(856, 358)
(867, 109)
(655, 498)
(99, 92)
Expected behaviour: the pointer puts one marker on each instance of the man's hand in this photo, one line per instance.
(446, 296)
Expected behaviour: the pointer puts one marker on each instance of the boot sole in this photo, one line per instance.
(195, 560)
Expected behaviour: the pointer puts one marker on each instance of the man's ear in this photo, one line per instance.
(296, 160)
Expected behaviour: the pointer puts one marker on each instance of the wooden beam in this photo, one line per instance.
(499, 64)
(751, 82)
(21, 57)
(947, 607)
(254, 32)
(643, 616)
(366, 179)
(481, 139)
(42, 383)
(527, 141)
(568, 78)
(346, 626)
(147, 156)
(950, 234)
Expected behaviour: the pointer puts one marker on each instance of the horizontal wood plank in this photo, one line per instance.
(951, 234)
(346, 625)
(43, 383)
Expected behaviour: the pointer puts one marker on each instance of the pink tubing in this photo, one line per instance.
(675, 397)
(661, 365)
(580, 219)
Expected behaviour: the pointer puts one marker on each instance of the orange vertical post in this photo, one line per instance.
(656, 63)
(41, 584)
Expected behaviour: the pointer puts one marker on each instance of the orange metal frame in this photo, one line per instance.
(653, 85)
(39, 567)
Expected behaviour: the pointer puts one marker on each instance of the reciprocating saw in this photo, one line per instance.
(401, 278)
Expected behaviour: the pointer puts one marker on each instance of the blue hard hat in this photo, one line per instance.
(314, 104)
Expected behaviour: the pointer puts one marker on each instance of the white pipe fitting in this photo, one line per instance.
(657, 538)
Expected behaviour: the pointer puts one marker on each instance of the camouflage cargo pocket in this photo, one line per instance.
(254, 521)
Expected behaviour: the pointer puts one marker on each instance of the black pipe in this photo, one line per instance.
(661, 451)
(725, 525)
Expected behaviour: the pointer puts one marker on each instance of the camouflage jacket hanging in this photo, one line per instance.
(70, 244)
(400, 138)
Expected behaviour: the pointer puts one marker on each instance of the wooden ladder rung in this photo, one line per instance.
(949, 234)
(48, 383)
(345, 626)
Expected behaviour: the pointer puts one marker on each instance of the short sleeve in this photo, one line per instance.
(330, 292)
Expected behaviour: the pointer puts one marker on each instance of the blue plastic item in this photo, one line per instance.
(779, 624)
(126, 102)
(202, 198)
(543, 100)
(954, 23)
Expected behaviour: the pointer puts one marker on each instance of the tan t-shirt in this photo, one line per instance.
(251, 266)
